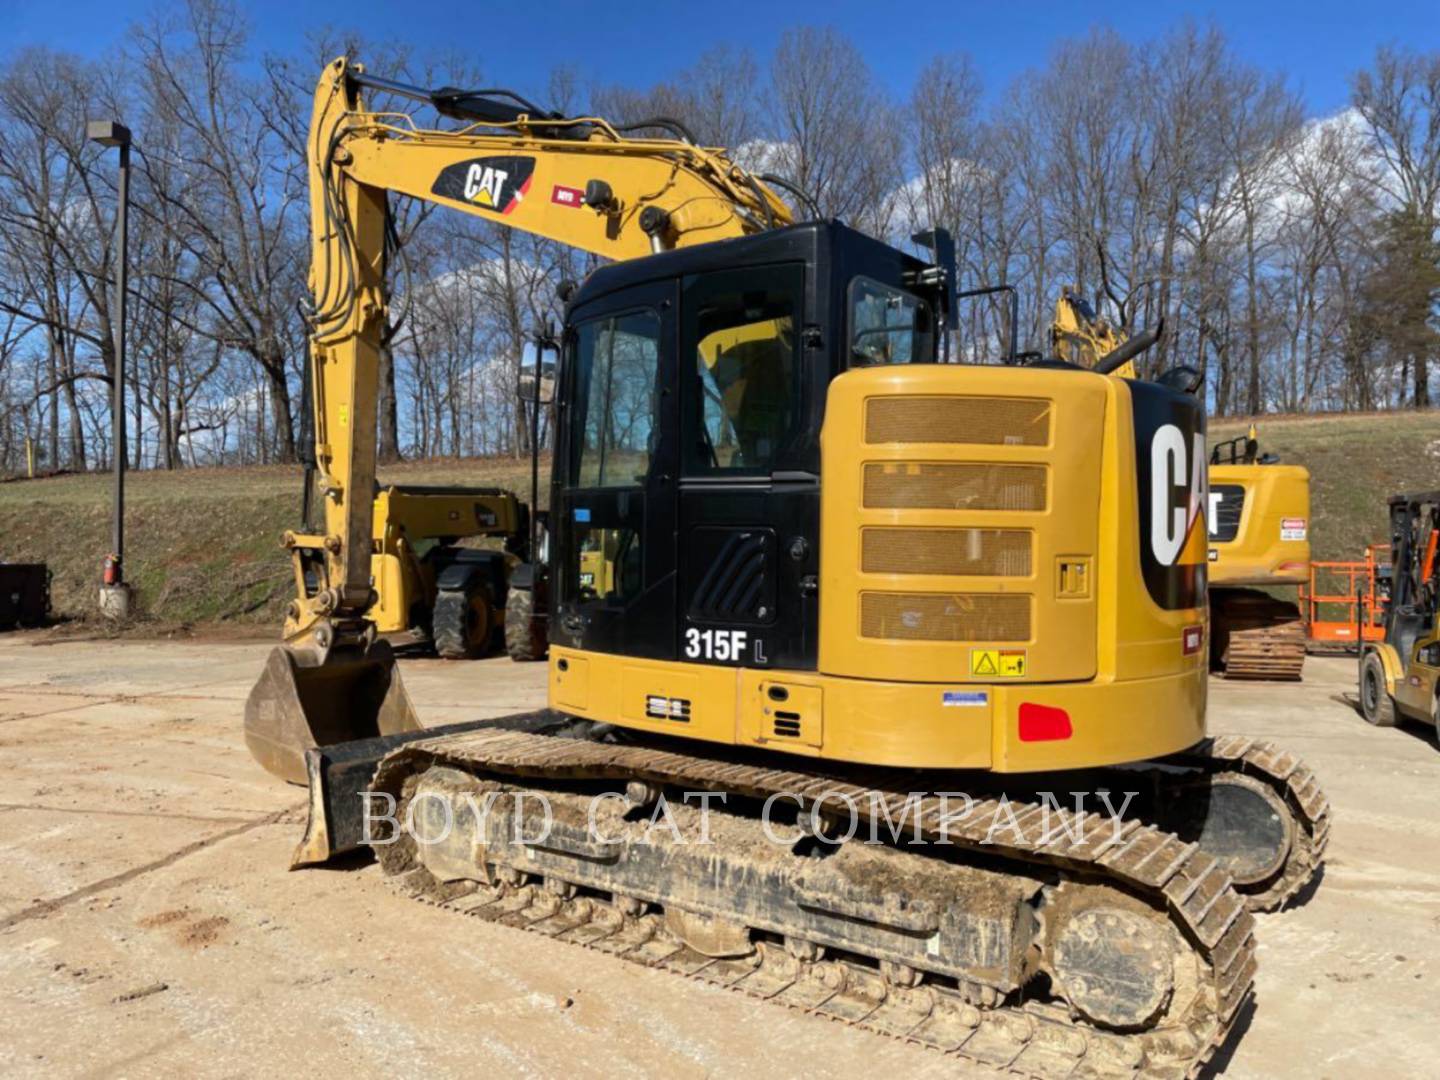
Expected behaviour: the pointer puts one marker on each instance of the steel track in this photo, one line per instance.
(1178, 881)
(1295, 782)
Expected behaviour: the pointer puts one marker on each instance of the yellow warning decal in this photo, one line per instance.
(998, 663)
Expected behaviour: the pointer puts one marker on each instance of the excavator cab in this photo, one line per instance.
(687, 475)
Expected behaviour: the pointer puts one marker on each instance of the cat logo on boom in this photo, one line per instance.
(497, 183)
(483, 184)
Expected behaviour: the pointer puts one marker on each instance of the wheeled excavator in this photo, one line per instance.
(797, 565)
(1258, 515)
(426, 583)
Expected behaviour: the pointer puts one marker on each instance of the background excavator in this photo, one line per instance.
(796, 561)
(1258, 515)
(426, 582)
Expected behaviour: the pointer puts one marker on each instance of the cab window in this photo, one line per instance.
(888, 325)
(740, 332)
(617, 361)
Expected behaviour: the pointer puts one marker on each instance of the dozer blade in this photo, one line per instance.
(340, 778)
(301, 702)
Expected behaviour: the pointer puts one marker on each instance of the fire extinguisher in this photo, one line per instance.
(112, 570)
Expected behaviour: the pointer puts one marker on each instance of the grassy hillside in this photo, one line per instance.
(203, 545)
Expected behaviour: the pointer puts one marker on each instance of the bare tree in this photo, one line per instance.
(1293, 261)
(1400, 103)
(241, 220)
(835, 135)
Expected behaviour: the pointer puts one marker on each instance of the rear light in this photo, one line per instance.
(1043, 723)
(1288, 567)
(1191, 638)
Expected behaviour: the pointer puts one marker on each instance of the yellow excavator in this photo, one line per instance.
(1258, 515)
(1081, 336)
(1259, 540)
(799, 573)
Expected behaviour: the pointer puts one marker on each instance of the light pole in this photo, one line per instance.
(114, 593)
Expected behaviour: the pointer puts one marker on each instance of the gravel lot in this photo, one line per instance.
(148, 926)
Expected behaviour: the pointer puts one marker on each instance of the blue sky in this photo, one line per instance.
(1319, 43)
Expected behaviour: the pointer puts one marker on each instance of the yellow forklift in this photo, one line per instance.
(1398, 676)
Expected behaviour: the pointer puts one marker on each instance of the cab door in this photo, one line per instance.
(615, 477)
(749, 510)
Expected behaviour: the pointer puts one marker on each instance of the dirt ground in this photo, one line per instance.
(148, 926)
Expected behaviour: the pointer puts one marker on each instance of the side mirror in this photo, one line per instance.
(536, 385)
(535, 380)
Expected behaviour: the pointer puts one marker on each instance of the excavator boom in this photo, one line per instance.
(580, 182)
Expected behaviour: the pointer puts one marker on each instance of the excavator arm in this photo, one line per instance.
(1080, 336)
(581, 182)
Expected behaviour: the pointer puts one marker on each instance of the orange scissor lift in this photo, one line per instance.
(1344, 603)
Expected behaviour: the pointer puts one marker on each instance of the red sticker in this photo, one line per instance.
(567, 196)
(1191, 638)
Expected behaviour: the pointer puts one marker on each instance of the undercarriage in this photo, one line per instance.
(1255, 636)
(995, 924)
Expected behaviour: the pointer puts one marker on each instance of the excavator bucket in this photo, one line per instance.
(301, 703)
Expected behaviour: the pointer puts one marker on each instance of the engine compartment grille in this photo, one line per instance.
(961, 510)
(905, 485)
(984, 552)
(999, 617)
(978, 421)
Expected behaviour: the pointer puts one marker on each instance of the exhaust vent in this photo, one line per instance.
(982, 552)
(977, 421)
(998, 617)
(960, 486)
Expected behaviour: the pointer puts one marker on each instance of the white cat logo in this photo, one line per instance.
(1177, 491)
(483, 185)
